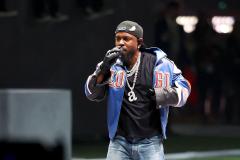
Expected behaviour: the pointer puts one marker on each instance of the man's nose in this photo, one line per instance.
(121, 42)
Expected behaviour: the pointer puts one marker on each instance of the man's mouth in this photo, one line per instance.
(123, 50)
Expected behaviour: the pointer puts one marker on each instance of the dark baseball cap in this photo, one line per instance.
(131, 28)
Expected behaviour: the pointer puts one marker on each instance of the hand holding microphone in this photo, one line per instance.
(109, 59)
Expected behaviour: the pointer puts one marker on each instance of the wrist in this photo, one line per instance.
(104, 69)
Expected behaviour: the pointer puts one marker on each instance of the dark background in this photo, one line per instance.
(63, 54)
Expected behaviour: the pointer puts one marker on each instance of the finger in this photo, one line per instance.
(114, 54)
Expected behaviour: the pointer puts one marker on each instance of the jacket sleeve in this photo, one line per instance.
(166, 96)
(94, 91)
(181, 86)
(177, 94)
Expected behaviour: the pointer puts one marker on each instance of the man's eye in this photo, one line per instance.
(126, 38)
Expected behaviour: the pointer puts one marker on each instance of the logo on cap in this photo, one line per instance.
(133, 28)
(122, 28)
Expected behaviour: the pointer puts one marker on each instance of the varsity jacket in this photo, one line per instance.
(166, 77)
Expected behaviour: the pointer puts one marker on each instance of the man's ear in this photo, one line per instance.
(140, 42)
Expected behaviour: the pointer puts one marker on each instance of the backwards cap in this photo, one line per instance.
(130, 27)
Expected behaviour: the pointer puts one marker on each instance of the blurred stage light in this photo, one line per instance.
(188, 22)
(223, 24)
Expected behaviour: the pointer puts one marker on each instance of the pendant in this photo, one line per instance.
(132, 97)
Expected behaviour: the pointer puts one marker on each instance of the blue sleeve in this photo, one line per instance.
(182, 86)
(93, 91)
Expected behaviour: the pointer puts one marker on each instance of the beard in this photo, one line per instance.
(127, 57)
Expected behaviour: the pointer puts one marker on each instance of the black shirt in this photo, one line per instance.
(140, 119)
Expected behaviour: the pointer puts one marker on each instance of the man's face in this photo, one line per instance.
(129, 44)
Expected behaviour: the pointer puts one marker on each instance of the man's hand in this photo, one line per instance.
(150, 92)
(109, 59)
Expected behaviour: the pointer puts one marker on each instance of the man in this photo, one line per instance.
(141, 83)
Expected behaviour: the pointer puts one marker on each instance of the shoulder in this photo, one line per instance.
(157, 52)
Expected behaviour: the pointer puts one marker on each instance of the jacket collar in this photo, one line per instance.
(152, 50)
(156, 51)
